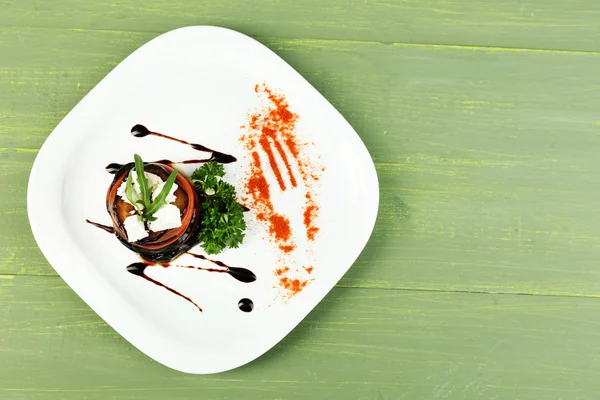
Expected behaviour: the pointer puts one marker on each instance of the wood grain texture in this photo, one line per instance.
(483, 155)
(542, 24)
(489, 183)
(358, 344)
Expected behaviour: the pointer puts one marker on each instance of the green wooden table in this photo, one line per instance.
(482, 277)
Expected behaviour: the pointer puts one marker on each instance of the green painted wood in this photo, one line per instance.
(358, 344)
(547, 24)
(487, 168)
(488, 181)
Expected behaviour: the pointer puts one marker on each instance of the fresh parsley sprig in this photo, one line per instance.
(223, 217)
(143, 202)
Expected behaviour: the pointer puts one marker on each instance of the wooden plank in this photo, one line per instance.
(485, 157)
(542, 24)
(491, 104)
(359, 344)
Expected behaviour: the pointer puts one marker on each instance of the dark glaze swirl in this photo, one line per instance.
(163, 246)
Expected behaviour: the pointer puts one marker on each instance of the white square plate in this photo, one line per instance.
(196, 83)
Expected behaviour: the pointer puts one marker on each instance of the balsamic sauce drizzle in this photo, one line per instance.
(113, 168)
(138, 269)
(141, 131)
(106, 228)
(241, 274)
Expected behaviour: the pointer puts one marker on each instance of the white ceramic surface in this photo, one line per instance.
(195, 83)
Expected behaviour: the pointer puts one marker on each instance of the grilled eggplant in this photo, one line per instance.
(163, 246)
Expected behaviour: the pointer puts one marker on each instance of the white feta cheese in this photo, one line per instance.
(170, 197)
(134, 226)
(167, 217)
(153, 182)
(121, 192)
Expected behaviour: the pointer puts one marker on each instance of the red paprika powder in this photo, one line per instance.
(270, 130)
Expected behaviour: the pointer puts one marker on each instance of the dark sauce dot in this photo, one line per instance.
(140, 131)
(246, 305)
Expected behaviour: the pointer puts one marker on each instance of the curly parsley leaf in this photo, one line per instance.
(223, 217)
